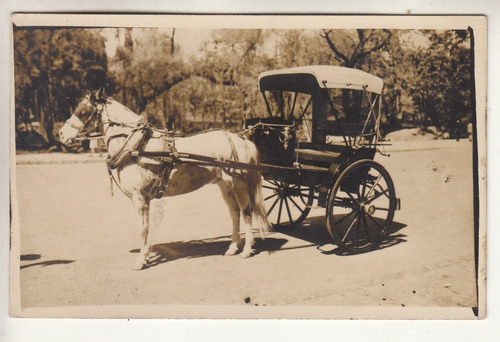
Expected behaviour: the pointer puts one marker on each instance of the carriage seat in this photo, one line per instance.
(322, 156)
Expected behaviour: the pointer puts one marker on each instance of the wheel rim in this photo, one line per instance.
(287, 204)
(361, 206)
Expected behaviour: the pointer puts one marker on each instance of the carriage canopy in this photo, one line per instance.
(306, 79)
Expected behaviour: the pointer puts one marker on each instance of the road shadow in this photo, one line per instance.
(314, 230)
(47, 263)
(30, 257)
(171, 251)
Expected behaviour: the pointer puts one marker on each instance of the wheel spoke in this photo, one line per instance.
(365, 180)
(358, 229)
(344, 217)
(350, 227)
(272, 206)
(271, 196)
(279, 212)
(348, 194)
(288, 211)
(374, 185)
(296, 205)
(375, 221)
(284, 193)
(384, 192)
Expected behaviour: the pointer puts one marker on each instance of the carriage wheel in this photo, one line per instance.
(361, 206)
(287, 204)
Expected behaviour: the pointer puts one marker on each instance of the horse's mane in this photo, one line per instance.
(114, 105)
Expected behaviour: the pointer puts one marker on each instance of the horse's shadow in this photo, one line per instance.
(314, 231)
(171, 251)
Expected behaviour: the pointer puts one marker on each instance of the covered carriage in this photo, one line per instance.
(317, 144)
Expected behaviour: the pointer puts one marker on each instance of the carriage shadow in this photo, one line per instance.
(314, 231)
(216, 246)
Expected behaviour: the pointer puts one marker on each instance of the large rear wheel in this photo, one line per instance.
(287, 204)
(361, 206)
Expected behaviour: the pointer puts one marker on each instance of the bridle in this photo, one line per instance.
(95, 116)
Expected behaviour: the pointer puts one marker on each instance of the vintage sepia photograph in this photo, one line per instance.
(298, 167)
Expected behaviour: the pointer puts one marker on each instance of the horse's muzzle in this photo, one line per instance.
(67, 134)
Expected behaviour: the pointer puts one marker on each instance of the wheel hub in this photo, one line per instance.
(371, 209)
(365, 208)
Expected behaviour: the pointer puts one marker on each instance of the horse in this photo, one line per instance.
(145, 178)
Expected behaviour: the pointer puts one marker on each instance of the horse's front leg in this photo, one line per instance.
(141, 204)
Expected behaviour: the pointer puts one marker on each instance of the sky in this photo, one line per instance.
(190, 40)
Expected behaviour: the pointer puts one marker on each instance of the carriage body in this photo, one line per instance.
(317, 144)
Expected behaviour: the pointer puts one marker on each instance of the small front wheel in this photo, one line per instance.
(361, 206)
(287, 204)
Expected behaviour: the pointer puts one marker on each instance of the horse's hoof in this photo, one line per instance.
(152, 256)
(246, 254)
(139, 266)
(232, 250)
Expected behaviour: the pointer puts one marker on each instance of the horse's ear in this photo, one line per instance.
(92, 98)
(101, 96)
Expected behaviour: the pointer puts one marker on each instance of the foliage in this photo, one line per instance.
(442, 85)
(53, 67)
(427, 74)
(145, 67)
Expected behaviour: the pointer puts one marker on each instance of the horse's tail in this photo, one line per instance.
(260, 219)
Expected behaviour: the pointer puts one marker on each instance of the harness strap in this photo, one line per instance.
(111, 180)
(124, 154)
(167, 167)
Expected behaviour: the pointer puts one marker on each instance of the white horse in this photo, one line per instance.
(143, 179)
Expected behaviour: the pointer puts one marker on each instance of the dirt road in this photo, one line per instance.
(77, 244)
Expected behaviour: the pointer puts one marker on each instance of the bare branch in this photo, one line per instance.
(377, 47)
(332, 46)
(172, 45)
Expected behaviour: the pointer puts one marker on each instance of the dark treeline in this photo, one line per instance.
(427, 74)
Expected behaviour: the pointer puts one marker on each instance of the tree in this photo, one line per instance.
(353, 49)
(51, 72)
(232, 61)
(442, 83)
(146, 66)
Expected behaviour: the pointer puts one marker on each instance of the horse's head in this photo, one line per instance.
(84, 119)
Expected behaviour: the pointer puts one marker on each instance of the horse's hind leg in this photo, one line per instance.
(240, 189)
(234, 212)
(141, 204)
